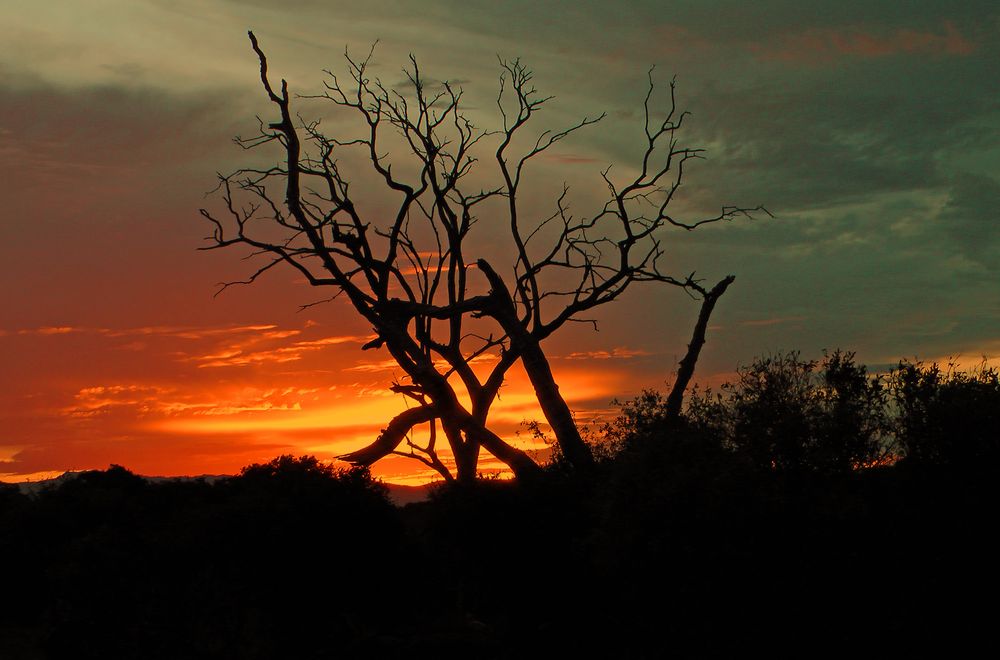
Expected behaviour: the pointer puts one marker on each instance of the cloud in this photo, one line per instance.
(99, 400)
(771, 321)
(619, 353)
(825, 45)
(182, 332)
(144, 400)
(971, 218)
(374, 367)
(239, 347)
(51, 330)
(102, 136)
(239, 355)
(837, 137)
(392, 365)
(195, 332)
(230, 409)
(572, 159)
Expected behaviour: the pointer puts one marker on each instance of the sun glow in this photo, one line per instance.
(328, 423)
(188, 400)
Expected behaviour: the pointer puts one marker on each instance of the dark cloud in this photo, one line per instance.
(50, 129)
(971, 218)
(843, 136)
(127, 69)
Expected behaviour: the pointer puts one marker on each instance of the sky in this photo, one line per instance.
(871, 131)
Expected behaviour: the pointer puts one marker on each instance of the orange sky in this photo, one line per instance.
(174, 400)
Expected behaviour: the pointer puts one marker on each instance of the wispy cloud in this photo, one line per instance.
(188, 332)
(392, 365)
(822, 45)
(571, 159)
(144, 400)
(102, 399)
(757, 323)
(239, 355)
(619, 353)
(182, 332)
(50, 330)
(373, 367)
(240, 345)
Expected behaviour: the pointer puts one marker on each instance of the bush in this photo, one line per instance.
(290, 559)
(792, 415)
(947, 417)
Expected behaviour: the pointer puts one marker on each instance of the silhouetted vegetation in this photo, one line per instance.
(809, 506)
(947, 417)
(794, 415)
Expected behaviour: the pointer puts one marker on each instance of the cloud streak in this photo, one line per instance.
(826, 45)
(240, 355)
(619, 353)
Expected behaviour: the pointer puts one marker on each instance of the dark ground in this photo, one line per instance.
(644, 559)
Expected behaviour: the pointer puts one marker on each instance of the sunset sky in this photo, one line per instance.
(871, 130)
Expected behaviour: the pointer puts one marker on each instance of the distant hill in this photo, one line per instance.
(399, 494)
(402, 495)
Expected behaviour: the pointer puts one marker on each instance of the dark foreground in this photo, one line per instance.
(656, 554)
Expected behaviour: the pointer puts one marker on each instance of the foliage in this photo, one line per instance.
(947, 416)
(639, 418)
(794, 415)
(252, 566)
(305, 472)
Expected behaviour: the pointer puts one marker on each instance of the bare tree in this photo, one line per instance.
(411, 276)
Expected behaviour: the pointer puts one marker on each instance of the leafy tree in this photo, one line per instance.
(947, 417)
(304, 472)
(793, 415)
(435, 303)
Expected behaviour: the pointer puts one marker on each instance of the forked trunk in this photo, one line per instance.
(551, 401)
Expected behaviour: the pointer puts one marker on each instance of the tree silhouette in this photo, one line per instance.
(793, 415)
(946, 416)
(412, 273)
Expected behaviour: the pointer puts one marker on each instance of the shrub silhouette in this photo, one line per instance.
(277, 562)
(947, 417)
(678, 517)
(794, 415)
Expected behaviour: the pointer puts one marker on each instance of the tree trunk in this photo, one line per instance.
(685, 369)
(523, 467)
(466, 454)
(554, 406)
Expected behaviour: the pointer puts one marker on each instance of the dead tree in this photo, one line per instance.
(410, 276)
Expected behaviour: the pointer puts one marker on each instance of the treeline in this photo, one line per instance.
(808, 507)
(831, 416)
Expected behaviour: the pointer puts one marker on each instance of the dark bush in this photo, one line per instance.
(794, 416)
(947, 417)
(289, 559)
